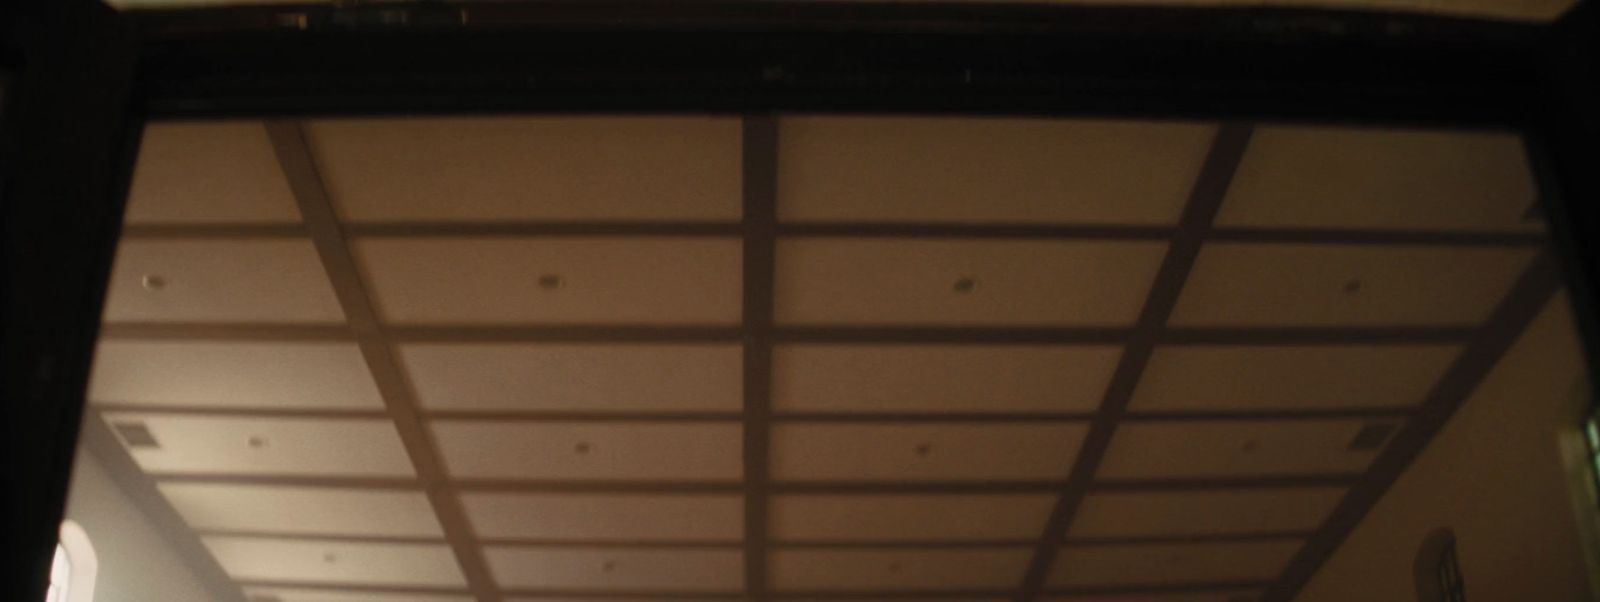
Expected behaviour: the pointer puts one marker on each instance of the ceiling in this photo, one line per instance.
(799, 358)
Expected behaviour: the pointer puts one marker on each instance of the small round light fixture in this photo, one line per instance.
(153, 282)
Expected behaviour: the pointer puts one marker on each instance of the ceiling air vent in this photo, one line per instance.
(135, 434)
(1371, 436)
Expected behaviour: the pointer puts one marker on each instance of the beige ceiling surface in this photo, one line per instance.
(661, 378)
(880, 281)
(928, 378)
(511, 358)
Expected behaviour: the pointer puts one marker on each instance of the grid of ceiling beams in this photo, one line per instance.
(687, 358)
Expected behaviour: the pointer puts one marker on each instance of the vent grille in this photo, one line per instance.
(1372, 435)
(135, 435)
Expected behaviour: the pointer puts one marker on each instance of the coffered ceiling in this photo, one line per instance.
(799, 358)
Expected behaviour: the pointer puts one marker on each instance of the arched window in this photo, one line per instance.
(1438, 570)
(72, 571)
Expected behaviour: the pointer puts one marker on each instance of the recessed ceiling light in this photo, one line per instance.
(965, 284)
(153, 282)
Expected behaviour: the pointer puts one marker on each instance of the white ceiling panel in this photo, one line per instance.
(928, 378)
(1172, 563)
(268, 446)
(531, 168)
(692, 569)
(312, 594)
(584, 280)
(908, 517)
(314, 562)
(917, 169)
(592, 451)
(1326, 177)
(582, 377)
(208, 172)
(1228, 511)
(1235, 448)
(330, 375)
(1344, 285)
(303, 510)
(220, 280)
(631, 517)
(897, 568)
(1201, 377)
(1012, 283)
(1219, 596)
(925, 452)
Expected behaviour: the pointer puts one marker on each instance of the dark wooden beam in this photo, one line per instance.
(760, 156)
(305, 180)
(774, 488)
(865, 335)
(497, 415)
(889, 230)
(1210, 187)
(212, 331)
(515, 229)
(208, 231)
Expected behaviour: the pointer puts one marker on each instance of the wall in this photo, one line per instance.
(1497, 475)
(136, 563)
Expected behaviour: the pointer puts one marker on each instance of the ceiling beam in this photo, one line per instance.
(866, 335)
(207, 231)
(495, 415)
(774, 488)
(1205, 199)
(305, 181)
(889, 230)
(760, 191)
(1533, 290)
